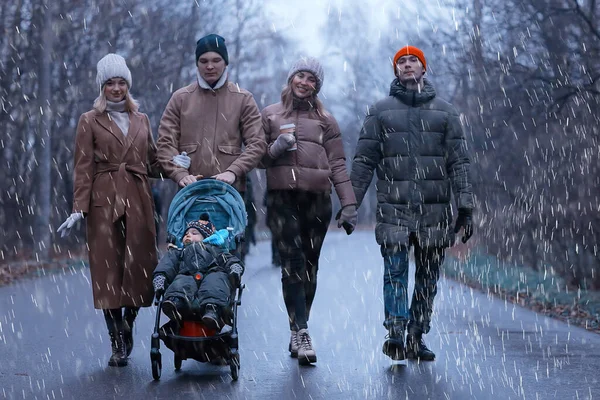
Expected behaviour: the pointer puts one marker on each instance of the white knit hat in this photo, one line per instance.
(311, 65)
(112, 66)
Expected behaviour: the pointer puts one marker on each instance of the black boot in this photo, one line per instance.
(416, 348)
(171, 307)
(393, 347)
(211, 318)
(129, 316)
(119, 353)
(114, 323)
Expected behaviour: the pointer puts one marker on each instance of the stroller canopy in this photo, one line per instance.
(223, 204)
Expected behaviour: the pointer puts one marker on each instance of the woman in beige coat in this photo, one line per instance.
(115, 155)
(305, 156)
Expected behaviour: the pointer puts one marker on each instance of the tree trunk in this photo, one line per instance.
(43, 145)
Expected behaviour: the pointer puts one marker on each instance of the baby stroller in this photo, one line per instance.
(227, 210)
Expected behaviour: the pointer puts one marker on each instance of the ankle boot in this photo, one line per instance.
(211, 318)
(128, 337)
(393, 347)
(416, 348)
(119, 353)
(129, 318)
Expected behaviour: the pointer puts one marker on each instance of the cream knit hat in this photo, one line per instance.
(112, 66)
(311, 65)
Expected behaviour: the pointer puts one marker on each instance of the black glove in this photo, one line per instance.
(158, 283)
(464, 220)
(347, 217)
(235, 274)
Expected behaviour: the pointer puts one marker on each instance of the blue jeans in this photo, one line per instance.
(428, 261)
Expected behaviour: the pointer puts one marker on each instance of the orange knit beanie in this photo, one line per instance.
(413, 51)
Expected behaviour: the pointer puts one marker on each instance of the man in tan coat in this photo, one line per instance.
(210, 120)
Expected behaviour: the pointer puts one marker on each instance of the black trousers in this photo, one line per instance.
(299, 222)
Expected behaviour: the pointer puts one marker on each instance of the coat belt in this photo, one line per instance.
(123, 169)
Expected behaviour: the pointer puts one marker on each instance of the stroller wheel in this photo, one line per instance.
(177, 361)
(234, 365)
(156, 359)
(235, 371)
(156, 367)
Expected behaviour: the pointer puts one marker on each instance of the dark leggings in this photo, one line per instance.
(116, 317)
(299, 225)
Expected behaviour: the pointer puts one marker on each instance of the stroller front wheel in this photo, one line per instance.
(177, 361)
(235, 371)
(156, 359)
(234, 365)
(156, 369)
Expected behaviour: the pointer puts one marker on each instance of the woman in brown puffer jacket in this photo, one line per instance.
(305, 156)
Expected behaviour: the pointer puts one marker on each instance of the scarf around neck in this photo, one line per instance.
(302, 104)
(117, 113)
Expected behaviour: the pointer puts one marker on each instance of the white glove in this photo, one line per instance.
(284, 141)
(66, 226)
(182, 160)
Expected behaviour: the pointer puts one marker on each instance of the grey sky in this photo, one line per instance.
(302, 20)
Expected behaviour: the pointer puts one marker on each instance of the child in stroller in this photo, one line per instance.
(197, 281)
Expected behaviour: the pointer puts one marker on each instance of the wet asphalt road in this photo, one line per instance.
(54, 345)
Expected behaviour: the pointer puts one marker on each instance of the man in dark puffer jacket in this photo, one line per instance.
(416, 143)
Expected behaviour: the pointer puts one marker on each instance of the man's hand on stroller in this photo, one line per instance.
(235, 274)
(187, 180)
(158, 283)
(227, 177)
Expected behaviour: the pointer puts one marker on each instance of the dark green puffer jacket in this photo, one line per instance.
(416, 143)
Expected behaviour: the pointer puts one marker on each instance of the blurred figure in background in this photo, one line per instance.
(249, 234)
(275, 257)
(158, 220)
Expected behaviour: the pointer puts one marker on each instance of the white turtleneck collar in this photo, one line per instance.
(117, 113)
(204, 85)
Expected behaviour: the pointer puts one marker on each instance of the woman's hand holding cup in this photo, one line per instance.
(286, 141)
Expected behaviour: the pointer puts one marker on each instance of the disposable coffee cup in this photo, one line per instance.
(289, 128)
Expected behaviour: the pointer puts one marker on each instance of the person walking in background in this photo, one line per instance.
(115, 155)
(249, 232)
(275, 257)
(158, 219)
(210, 120)
(416, 142)
(305, 155)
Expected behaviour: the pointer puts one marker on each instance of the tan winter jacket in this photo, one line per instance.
(211, 126)
(319, 160)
